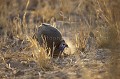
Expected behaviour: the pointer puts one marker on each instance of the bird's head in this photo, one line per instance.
(62, 46)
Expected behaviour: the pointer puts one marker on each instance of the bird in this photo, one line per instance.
(50, 37)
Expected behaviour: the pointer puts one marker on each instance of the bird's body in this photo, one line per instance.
(52, 38)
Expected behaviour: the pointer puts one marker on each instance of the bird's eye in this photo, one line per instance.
(63, 44)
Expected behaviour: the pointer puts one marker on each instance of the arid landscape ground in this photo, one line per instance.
(91, 28)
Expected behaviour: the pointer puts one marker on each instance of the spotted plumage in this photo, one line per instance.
(52, 38)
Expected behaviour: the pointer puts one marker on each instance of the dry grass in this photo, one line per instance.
(19, 21)
(39, 54)
(82, 38)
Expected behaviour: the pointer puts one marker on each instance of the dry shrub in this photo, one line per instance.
(39, 54)
(103, 18)
(107, 34)
(82, 38)
(20, 30)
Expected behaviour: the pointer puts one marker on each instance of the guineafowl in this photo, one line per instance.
(52, 38)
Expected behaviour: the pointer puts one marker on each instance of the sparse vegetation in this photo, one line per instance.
(92, 27)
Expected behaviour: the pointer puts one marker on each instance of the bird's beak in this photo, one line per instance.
(66, 45)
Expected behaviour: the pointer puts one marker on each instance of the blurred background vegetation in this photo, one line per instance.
(101, 15)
